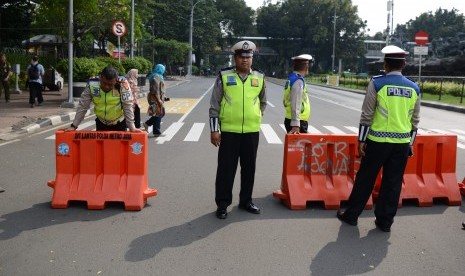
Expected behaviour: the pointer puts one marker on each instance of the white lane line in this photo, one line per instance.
(312, 129)
(458, 131)
(336, 103)
(270, 104)
(81, 127)
(198, 101)
(9, 142)
(334, 130)
(270, 135)
(422, 131)
(195, 132)
(352, 129)
(169, 133)
(283, 127)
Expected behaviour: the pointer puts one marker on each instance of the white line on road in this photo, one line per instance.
(195, 132)
(459, 145)
(334, 130)
(270, 136)
(313, 130)
(351, 128)
(270, 104)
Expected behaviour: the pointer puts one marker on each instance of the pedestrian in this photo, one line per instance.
(236, 108)
(296, 101)
(112, 100)
(6, 72)
(35, 72)
(388, 126)
(156, 99)
(132, 76)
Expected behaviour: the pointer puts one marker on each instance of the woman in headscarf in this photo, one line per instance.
(155, 98)
(131, 76)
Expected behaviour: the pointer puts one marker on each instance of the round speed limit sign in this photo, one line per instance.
(118, 28)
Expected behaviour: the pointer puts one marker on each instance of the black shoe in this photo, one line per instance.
(381, 227)
(250, 207)
(341, 217)
(463, 225)
(221, 213)
(1, 190)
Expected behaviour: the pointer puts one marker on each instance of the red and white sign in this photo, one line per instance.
(421, 38)
(118, 28)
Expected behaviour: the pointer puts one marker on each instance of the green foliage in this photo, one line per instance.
(145, 65)
(297, 27)
(85, 68)
(436, 88)
(443, 23)
(129, 64)
(105, 61)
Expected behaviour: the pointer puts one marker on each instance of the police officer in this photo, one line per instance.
(296, 100)
(388, 126)
(236, 109)
(112, 99)
(5, 72)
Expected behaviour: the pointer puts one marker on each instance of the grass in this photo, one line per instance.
(447, 99)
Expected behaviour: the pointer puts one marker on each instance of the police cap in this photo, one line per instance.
(244, 48)
(393, 52)
(304, 58)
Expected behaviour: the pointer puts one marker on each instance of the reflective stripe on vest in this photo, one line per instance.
(107, 106)
(395, 102)
(240, 106)
(305, 102)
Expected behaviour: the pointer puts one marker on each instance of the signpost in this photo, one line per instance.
(421, 38)
(119, 29)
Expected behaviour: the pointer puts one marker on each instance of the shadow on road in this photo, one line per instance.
(148, 246)
(350, 254)
(41, 215)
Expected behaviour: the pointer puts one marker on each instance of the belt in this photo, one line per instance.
(111, 123)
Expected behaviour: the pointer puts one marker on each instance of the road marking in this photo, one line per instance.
(313, 130)
(283, 127)
(9, 142)
(270, 136)
(81, 127)
(195, 132)
(270, 104)
(169, 133)
(334, 130)
(353, 129)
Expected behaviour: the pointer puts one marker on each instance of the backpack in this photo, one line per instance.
(33, 72)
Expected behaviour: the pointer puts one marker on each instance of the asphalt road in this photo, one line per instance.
(177, 233)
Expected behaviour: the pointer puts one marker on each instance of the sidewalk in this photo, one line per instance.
(18, 118)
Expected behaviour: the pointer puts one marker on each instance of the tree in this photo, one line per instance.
(442, 23)
(306, 26)
(16, 17)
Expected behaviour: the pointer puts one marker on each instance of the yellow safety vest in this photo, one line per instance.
(305, 105)
(240, 106)
(396, 98)
(107, 105)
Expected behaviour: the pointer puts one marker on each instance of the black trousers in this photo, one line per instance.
(35, 90)
(121, 126)
(6, 89)
(393, 159)
(303, 126)
(235, 147)
(136, 116)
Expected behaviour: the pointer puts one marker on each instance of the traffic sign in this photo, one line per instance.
(118, 28)
(421, 38)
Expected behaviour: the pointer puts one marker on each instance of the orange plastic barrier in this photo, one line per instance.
(462, 187)
(100, 167)
(318, 167)
(431, 171)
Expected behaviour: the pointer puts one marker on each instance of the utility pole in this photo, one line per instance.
(191, 29)
(334, 38)
(131, 53)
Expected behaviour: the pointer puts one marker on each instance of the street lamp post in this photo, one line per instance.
(334, 39)
(131, 53)
(191, 28)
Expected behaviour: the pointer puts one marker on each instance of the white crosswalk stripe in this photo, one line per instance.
(270, 136)
(273, 133)
(195, 132)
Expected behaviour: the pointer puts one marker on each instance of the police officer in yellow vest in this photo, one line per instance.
(112, 99)
(296, 100)
(236, 109)
(388, 126)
